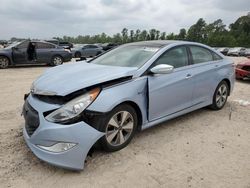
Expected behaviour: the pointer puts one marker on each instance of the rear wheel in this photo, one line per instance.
(119, 127)
(4, 62)
(220, 96)
(57, 60)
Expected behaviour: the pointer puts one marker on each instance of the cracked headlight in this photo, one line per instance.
(74, 107)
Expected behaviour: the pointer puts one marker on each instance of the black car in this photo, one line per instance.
(66, 45)
(224, 51)
(109, 46)
(33, 52)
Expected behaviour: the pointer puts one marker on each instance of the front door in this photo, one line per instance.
(19, 53)
(171, 93)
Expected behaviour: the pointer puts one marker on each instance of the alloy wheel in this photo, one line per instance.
(221, 95)
(57, 61)
(119, 128)
(4, 62)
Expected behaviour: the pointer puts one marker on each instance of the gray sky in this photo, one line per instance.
(49, 18)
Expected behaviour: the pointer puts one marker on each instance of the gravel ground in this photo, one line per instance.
(201, 149)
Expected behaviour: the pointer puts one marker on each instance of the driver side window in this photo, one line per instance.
(177, 57)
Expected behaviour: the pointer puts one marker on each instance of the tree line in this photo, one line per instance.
(215, 34)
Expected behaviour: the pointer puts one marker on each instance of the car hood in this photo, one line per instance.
(67, 78)
(244, 63)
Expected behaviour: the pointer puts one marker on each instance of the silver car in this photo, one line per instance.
(86, 51)
(105, 101)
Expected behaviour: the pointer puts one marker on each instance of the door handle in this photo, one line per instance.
(188, 76)
(216, 65)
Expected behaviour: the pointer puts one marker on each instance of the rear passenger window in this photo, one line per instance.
(200, 55)
(41, 45)
(216, 56)
(177, 57)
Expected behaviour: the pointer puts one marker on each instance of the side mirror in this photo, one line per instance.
(14, 48)
(162, 69)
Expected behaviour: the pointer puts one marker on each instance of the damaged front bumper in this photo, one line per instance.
(42, 136)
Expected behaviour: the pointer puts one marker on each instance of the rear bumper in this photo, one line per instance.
(49, 134)
(67, 57)
(242, 73)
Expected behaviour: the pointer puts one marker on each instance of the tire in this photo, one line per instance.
(220, 96)
(4, 62)
(78, 55)
(56, 60)
(119, 132)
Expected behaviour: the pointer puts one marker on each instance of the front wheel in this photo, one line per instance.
(119, 127)
(4, 62)
(57, 60)
(220, 96)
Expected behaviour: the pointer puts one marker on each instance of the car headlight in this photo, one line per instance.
(74, 107)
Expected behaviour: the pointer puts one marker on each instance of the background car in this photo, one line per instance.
(66, 45)
(223, 50)
(33, 52)
(243, 70)
(245, 53)
(236, 51)
(108, 46)
(86, 51)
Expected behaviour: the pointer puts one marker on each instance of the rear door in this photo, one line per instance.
(205, 65)
(171, 93)
(44, 52)
(19, 53)
(86, 51)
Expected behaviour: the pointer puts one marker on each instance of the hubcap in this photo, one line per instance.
(221, 95)
(4, 62)
(57, 61)
(119, 128)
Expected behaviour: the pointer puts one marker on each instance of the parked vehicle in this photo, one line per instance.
(33, 52)
(243, 70)
(86, 51)
(236, 51)
(105, 101)
(245, 53)
(224, 50)
(108, 46)
(66, 45)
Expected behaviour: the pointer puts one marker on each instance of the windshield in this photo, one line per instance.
(127, 56)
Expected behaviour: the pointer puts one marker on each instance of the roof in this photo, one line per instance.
(156, 43)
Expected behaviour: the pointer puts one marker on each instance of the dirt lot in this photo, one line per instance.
(201, 149)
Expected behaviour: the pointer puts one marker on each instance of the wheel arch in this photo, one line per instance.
(228, 83)
(10, 60)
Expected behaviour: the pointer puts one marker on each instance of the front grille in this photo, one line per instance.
(31, 118)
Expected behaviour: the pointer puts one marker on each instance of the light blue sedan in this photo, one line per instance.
(105, 101)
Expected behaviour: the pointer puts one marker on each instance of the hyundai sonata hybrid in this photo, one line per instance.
(105, 101)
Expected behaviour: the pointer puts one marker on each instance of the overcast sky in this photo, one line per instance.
(48, 18)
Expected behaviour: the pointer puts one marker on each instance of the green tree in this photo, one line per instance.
(197, 32)
(125, 35)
